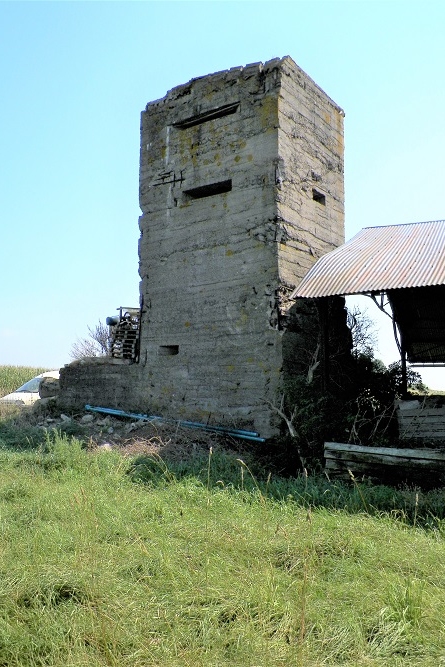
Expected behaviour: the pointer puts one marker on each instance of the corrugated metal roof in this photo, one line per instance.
(379, 259)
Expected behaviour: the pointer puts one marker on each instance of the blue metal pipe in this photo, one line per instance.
(236, 433)
(120, 413)
(223, 429)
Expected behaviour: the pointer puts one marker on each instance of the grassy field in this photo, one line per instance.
(12, 377)
(130, 561)
(108, 560)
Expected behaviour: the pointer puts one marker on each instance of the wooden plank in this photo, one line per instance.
(427, 412)
(433, 428)
(422, 420)
(377, 459)
(392, 474)
(389, 451)
(425, 467)
(422, 434)
(417, 434)
(376, 471)
(421, 428)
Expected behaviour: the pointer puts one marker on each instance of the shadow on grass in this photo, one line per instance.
(25, 438)
(408, 505)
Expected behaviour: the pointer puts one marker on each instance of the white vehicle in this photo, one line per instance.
(28, 393)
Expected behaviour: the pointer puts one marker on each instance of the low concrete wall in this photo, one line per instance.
(100, 381)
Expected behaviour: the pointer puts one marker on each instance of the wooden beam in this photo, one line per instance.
(323, 311)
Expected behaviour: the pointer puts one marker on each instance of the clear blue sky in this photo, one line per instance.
(75, 77)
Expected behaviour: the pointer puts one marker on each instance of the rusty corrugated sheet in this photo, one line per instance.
(378, 259)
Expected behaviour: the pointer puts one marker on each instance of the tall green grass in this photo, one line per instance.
(12, 377)
(408, 505)
(109, 561)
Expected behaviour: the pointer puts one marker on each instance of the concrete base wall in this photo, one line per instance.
(100, 381)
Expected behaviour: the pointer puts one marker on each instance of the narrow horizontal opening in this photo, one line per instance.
(210, 189)
(204, 117)
(168, 350)
(319, 197)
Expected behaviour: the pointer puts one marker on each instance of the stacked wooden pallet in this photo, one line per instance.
(125, 341)
(425, 467)
(422, 420)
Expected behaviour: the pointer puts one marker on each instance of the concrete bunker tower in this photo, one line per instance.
(241, 190)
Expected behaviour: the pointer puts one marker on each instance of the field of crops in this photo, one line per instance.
(12, 377)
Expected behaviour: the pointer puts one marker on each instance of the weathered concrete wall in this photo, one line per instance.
(241, 189)
(216, 270)
(310, 210)
(208, 272)
(101, 381)
(310, 192)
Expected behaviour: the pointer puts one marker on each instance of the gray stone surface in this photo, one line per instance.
(48, 387)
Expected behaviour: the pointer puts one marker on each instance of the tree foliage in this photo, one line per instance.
(97, 344)
(363, 332)
(361, 409)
